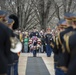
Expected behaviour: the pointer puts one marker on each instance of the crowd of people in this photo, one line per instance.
(35, 41)
(61, 41)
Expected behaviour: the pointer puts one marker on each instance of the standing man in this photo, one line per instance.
(70, 49)
(18, 43)
(68, 28)
(34, 37)
(58, 60)
(5, 44)
(48, 38)
(9, 24)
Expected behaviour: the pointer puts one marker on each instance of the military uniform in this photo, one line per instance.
(58, 45)
(5, 45)
(63, 64)
(4, 48)
(70, 50)
(57, 55)
(10, 57)
(16, 54)
(64, 56)
(54, 45)
(66, 29)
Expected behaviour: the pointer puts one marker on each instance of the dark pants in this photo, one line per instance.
(48, 50)
(34, 53)
(10, 70)
(16, 68)
(58, 71)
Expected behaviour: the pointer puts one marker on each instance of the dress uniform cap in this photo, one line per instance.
(68, 16)
(74, 17)
(61, 22)
(2, 13)
(9, 21)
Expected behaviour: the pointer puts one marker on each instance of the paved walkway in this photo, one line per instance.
(23, 62)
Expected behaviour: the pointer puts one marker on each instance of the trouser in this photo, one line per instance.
(44, 48)
(10, 70)
(48, 50)
(58, 71)
(41, 49)
(16, 68)
(34, 53)
(25, 48)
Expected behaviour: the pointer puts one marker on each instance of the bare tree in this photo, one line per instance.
(40, 13)
(69, 5)
(42, 9)
(64, 5)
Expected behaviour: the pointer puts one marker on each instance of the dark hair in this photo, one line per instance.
(34, 27)
(74, 22)
(15, 18)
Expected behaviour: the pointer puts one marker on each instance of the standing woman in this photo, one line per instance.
(26, 40)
